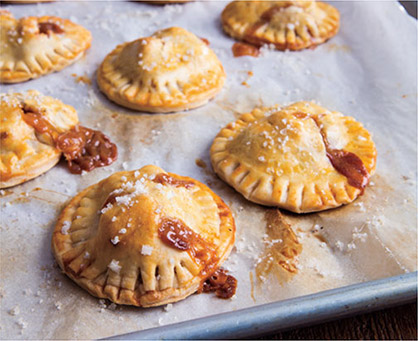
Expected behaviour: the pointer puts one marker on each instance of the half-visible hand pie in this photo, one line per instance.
(34, 46)
(27, 152)
(303, 157)
(36, 130)
(171, 70)
(292, 25)
(143, 238)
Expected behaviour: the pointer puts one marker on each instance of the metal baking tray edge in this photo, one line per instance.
(291, 313)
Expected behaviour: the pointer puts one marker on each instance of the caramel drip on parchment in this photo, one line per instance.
(282, 249)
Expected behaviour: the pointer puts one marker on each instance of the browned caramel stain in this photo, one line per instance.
(4, 135)
(207, 42)
(282, 249)
(200, 163)
(82, 79)
(252, 286)
(37, 189)
(245, 83)
(404, 96)
(320, 237)
(336, 47)
(5, 192)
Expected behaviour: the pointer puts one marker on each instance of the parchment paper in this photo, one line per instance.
(369, 71)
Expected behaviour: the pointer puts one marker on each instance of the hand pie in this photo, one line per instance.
(171, 70)
(143, 238)
(27, 152)
(36, 129)
(35, 46)
(292, 25)
(303, 158)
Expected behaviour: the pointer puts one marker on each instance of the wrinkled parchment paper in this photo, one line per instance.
(367, 71)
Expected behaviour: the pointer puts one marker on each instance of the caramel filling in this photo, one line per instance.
(166, 179)
(221, 283)
(346, 163)
(83, 148)
(48, 27)
(242, 49)
(86, 149)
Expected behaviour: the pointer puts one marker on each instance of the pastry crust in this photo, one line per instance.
(35, 46)
(292, 25)
(25, 153)
(280, 156)
(108, 237)
(171, 70)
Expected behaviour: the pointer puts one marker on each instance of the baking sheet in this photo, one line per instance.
(367, 71)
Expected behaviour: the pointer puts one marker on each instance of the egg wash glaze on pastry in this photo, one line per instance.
(303, 157)
(36, 129)
(34, 46)
(146, 238)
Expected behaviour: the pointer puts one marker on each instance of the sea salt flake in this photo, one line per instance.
(146, 250)
(115, 240)
(65, 227)
(114, 266)
(168, 307)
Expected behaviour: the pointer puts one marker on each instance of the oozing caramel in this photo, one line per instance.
(48, 27)
(83, 148)
(242, 49)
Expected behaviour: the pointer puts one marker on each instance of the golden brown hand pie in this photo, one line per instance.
(292, 25)
(303, 157)
(27, 152)
(35, 46)
(171, 70)
(143, 238)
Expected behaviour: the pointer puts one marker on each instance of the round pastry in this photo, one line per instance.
(171, 70)
(144, 237)
(27, 148)
(292, 25)
(35, 46)
(303, 158)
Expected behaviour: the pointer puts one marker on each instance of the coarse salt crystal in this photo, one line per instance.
(168, 307)
(122, 231)
(146, 250)
(65, 227)
(114, 266)
(115, 240)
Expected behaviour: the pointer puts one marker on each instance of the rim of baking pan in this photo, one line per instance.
(290, 313)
